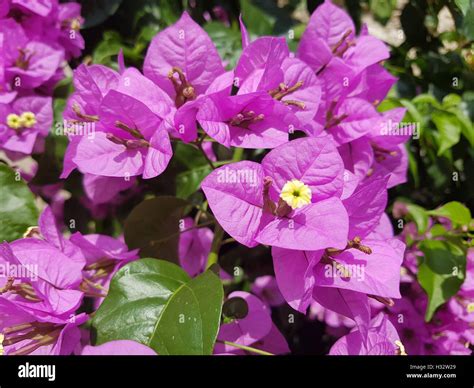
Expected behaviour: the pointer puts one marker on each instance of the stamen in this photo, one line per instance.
(326, 259)
(283, 90)
(134, 144)
(244, 119)
(335, 120)
(283, 209)
(23, 60)
(340, 42)
(132, 131)
(184, 90)
(356, 244)
(115, 139)
(43, 341)
(268, 205)
(33, 232)
(8, 285)
(386, 301)
(77, 110)
(298, 104)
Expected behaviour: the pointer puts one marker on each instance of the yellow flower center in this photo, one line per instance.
(296, 194)
(75, 24)
(14, 121)
(470, 308)
(2, 352)
(28, 119)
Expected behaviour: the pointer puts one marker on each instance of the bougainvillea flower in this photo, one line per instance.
(51, 283)
(91, 84)
(182, 60)
(259, 66)
(253, 120)
(373, 84)
(4, 8)
(255, 326)
(331, 34)
(265, 65)
(22, 333)
(366, 205)
(69, 22)
(23, 121)
(266, 288)
(349, 120)
(103, 189)
(98, 247)
(134, 84)
(135, 142)
(49, 231)
(382, 339)
(350, 304)
(330, 318)
(376, 273)
(41, 8)
(246, 197)
(194, 247)
(118, 348)
(35, 63)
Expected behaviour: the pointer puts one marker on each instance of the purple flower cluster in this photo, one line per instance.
(317, 197)
(451, 330)
(36, 40)
(44, 279)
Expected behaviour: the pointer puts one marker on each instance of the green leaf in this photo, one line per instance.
(426, 99)
(449, 129)
(382, 9)
(107, 48)
(255, 19)
(438, 230)
(468, 24)
(96, 11)
(455, 211)
(188, 182)
(17, 205)
(413, 166)
(442, 272)
(157, 304)
(451, 100)
(463, 5)
(419, 215)
(189, 156)
(153, 227)
(227, 40)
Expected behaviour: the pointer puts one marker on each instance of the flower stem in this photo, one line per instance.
(246, 348)
(216, 245)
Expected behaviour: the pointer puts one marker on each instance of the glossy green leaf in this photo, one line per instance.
(17, 205)
(255, 19)
(455, 211)
(442, 272)
(419, 215)
(153, 227)
(188, 182)
(449, 129)
(157, 304)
